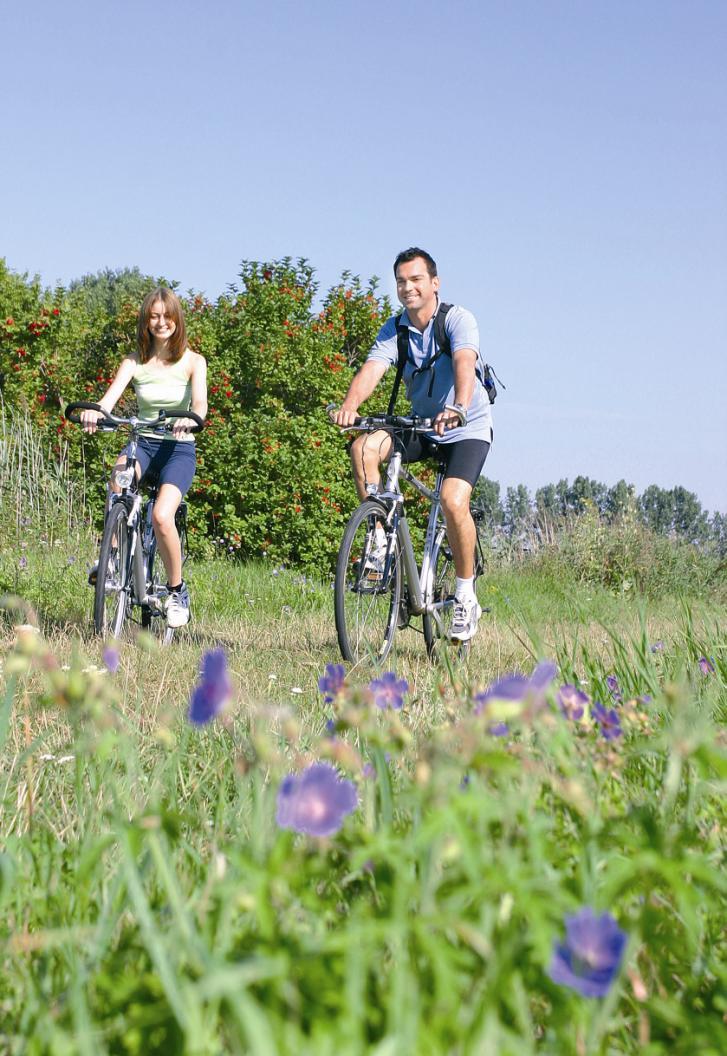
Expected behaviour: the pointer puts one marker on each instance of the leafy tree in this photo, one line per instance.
(619, 499)
(583, 491)
(718, 532)
(562, 490)
(518, 508)
(546, 501)
(486, 496)
(108, 290)
(690, 520)
(657, 509)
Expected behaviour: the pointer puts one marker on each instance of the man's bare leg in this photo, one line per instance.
(368, 451)
(461, 530)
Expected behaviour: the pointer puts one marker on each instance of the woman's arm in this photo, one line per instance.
(199, 385)
(110, 398)
(198, 377)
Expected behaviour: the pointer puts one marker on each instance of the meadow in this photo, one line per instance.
(234, 845)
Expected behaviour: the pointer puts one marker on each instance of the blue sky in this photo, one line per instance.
(565, 163)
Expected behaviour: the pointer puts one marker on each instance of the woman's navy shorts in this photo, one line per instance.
(166, 461)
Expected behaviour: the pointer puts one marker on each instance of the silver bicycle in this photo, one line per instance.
(129, 573)
(376, 597)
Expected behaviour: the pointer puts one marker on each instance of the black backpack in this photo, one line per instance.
(484, 372)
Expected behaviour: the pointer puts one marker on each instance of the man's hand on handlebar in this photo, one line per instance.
(343, 416)
(445, 420)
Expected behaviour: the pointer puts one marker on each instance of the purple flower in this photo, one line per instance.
(706, 666)
(508, 693)
(613, 687)
(315, 801)
(213, 689)
(389, 691)
(542, 676)
(511, 687)
(498, 729)
(608, 721)
(369, 770)
(589, 959)
(23, 563)
(332, 682)
(111, 659)
(572, 701)
(657, 647)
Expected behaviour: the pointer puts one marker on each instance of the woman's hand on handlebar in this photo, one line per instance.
(181, 426)
(90, 420)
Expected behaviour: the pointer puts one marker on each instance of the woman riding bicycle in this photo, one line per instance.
(166, 375)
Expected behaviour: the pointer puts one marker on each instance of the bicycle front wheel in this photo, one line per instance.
(112, 599)
(367, 592)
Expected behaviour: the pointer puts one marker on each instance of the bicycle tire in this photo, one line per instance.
(445, 582)
(366, 608)
(155, 622)
(112, 596)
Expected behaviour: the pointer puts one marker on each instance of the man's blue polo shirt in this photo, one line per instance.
(461, 328)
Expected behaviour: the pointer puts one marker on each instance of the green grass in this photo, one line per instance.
(151, 904)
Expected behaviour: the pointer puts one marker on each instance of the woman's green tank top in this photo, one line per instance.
(167, 391)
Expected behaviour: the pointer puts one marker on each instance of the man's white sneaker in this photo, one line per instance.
(177, 607)
(464, 621)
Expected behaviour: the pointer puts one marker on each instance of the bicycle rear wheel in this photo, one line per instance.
(153, 616)
(366, 600)
(112, 598)
(445, 582)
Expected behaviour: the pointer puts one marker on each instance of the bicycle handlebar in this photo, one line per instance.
(112, 421)
(371, 422)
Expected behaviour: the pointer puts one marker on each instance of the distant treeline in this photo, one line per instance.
(672, 512)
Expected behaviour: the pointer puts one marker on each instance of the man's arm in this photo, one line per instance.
(464, 361)
(359, 391)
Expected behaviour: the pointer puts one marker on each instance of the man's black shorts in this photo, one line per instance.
(463, 459)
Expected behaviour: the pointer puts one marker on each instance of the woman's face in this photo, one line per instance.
(161, 325)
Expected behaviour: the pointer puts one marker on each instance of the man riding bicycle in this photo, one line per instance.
(442, 384)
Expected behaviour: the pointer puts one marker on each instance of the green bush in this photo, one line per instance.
(273, 475)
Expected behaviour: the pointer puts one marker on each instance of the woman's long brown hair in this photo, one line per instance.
(177, 344)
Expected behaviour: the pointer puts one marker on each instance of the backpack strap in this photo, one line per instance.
(402, 346)
(440, 334)
(483, 371)
(442, 342)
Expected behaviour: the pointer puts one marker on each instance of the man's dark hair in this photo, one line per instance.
(411, 254)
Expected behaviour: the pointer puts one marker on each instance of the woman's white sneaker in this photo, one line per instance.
(177, 607)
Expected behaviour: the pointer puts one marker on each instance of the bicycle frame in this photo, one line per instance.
(139, 554)
(420, 583)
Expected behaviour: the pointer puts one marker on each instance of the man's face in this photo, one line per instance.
(415, 287)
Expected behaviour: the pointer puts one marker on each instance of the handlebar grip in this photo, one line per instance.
(186, 414)
(84, 405)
